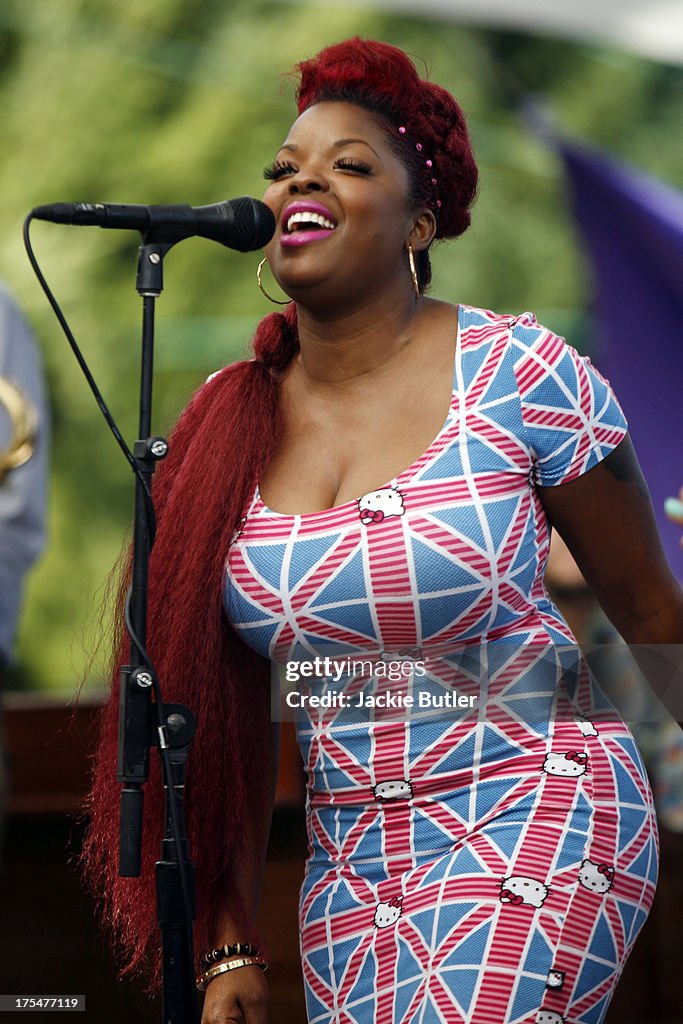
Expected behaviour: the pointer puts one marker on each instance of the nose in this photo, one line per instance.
(305, 181)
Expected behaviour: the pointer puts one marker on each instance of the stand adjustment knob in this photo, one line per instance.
(141, 679)
(151, 448)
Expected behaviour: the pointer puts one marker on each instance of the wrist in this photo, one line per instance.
(235, 963)
(228, 951)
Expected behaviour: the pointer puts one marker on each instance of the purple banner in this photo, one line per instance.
(632, 225)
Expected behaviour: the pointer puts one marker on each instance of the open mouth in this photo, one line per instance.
(306, 220)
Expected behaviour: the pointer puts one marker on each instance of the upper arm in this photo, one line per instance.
(605, 517)
(589, 482)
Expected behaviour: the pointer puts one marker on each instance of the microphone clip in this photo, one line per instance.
(149, 280)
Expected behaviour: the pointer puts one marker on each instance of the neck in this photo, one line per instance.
(336, 347)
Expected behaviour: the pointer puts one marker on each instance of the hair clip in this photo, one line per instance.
(428, 163)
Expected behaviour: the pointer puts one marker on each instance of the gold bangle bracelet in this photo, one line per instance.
(230, 965)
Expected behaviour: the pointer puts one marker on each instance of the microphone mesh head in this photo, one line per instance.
(254, 224)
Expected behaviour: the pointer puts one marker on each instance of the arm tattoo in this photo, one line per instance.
(623, 464)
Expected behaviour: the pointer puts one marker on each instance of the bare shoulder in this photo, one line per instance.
(438, 329)
(441, 313)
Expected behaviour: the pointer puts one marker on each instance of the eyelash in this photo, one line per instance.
(345, 163)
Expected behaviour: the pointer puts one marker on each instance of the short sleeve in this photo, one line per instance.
(571, 416)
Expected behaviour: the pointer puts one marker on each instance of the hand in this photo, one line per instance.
(674, 510)
(237, 997)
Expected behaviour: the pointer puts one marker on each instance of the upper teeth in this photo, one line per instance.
(308, 217)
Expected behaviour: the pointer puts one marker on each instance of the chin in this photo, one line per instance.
(303, 282)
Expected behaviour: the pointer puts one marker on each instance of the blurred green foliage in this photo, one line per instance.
(170, 101)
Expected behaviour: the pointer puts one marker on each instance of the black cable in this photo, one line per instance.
(111, 422)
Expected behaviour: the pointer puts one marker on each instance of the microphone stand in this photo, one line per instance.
(243, 224)
(174, 727)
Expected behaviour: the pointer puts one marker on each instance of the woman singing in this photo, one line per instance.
(378, 484)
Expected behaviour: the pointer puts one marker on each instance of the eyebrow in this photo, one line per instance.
(339, 144)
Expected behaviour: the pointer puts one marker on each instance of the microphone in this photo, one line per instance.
(243, 224)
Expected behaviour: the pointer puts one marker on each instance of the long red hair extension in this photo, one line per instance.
(224, 437)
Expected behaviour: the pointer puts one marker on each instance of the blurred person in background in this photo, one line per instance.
(477, 861)
(23, 465)
(674, 510)
(23, 469)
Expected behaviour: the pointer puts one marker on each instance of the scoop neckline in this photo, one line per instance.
(353, 502)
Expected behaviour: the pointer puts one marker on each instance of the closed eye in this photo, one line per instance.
(277, 170)
(346, 163)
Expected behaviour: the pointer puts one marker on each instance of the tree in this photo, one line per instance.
(175, 102)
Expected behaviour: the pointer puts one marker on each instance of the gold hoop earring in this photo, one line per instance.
(413, 271)
(278, 302)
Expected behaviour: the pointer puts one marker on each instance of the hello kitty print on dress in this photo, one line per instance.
(375, 506)
(394, 789)
(596, 877)
(549, 1017)
(568, 765)
(585, 725)
(407, 658)
(520, 890)
(404, 654)
(387, 914)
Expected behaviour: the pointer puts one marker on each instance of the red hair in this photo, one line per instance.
(219, 448)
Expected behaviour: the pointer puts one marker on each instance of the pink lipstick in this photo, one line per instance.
(306, 221)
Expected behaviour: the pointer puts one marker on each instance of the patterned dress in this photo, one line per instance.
(488, 853)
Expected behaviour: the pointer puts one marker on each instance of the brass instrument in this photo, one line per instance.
(23, 418)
